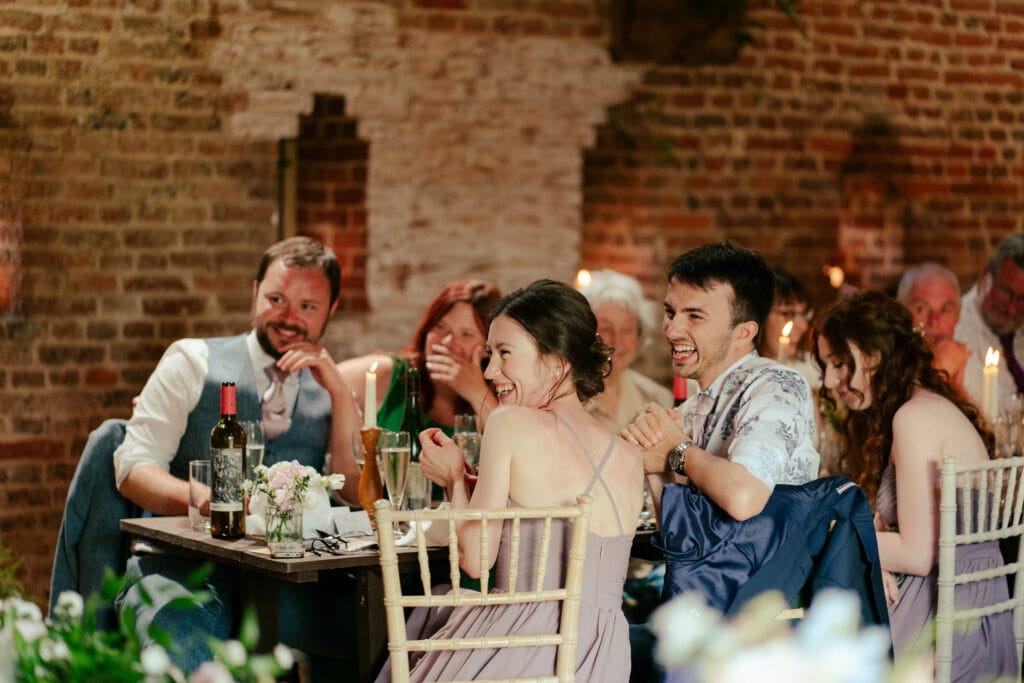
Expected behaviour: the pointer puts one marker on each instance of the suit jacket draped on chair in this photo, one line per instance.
(90, 541)
(809, 537)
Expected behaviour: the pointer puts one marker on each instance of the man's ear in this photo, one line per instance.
(746, 332)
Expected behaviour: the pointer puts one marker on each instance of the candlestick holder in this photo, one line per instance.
(370, 486)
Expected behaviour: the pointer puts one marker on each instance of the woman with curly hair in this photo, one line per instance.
(903, 418)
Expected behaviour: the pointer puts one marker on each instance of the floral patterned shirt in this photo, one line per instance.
(762, 417)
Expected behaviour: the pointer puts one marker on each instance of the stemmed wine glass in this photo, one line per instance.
(395, 453)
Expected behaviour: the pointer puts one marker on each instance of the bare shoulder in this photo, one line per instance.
(925, 407)
(514, 420)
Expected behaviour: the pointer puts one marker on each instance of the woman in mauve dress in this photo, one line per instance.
(903, 418)
(541, 448)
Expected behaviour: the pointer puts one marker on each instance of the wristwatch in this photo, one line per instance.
(677, 457)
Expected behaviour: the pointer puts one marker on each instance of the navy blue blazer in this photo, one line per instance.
(789, 547)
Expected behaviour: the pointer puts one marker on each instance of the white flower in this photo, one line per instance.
(50, 650)
(70, 604)
(30, 630)
(834, 613)
(683, 625)
(211, 672)
(827, 646)
(24, 609)
(334, 481)
(234, 653)
(154, 660)
(283, 656)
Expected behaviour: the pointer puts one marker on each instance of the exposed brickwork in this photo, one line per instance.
(889, 134)
(140, 183)
(139, 170)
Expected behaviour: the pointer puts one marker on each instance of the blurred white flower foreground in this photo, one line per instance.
(696, 644)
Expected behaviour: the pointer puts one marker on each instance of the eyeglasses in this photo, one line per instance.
(793, 313)
(1008, 294)
(328, 545)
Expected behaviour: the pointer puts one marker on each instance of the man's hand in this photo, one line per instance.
(317, 359)
(657, 431)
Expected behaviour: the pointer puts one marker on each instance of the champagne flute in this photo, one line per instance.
(395, 454)
(255, 446)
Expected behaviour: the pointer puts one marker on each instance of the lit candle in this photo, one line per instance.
(370, 409)
(783, 354)
(990, 386)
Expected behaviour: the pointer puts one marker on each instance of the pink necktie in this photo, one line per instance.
(705, 404)
(275, 410)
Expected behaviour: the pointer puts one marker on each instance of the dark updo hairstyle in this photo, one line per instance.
(561, 323)
(877, 324)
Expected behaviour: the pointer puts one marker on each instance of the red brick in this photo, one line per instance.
(33, 449)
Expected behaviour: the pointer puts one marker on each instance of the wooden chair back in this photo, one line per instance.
(978, 503)
(569, 593)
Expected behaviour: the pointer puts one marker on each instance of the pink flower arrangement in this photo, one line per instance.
(286, 484)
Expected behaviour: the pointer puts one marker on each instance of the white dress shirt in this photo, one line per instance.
(171, 392)
(972, 332)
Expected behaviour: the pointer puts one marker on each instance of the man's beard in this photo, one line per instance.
(264, 339)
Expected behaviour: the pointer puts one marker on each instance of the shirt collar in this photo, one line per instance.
(715, 388)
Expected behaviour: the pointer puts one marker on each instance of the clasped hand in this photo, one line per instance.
(441, 459)
(656, 431)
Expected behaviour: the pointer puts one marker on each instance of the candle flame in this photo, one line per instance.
(835, 276)
(582, 278)
(373, 368)
(991, 358)
(787, 328)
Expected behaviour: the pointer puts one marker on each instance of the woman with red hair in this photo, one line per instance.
(448, 349)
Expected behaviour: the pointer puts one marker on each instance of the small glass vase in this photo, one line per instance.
(284, 532)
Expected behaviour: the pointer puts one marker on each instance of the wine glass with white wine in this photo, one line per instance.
(395, 454)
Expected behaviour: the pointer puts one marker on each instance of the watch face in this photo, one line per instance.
(674, 460)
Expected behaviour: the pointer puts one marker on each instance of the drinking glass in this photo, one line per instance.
(465, 422)
(255, 446)
(395, 453)
(199, 495)
(467, 438)
(417, 489)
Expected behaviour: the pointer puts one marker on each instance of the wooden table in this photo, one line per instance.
(261, 574)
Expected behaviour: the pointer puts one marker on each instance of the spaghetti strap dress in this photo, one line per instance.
(602, 653)
(982, 650)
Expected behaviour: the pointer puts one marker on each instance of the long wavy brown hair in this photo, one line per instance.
(877, 324)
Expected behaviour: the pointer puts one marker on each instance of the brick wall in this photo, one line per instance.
(139, 148)
(140, 178)
(888, 133)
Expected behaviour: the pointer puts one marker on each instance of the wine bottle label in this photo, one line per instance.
(228, 475)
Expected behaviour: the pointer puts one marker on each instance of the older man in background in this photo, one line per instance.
(991, 315)
(931, 293)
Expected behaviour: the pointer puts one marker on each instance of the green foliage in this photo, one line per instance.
(9, 584)
(69, 646)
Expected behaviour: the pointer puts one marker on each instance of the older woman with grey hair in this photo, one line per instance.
(624, 318)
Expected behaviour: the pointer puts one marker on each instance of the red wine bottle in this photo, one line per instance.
(227, 459)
